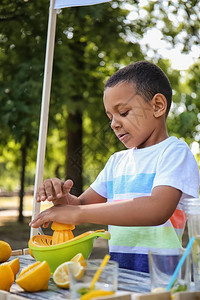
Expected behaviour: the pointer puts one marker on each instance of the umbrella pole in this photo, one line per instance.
(44, 109)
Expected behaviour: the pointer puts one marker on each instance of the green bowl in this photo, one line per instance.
(58, 254)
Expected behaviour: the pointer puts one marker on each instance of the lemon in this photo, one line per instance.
(78, 270)
(5, 251)
(158, 290)
(79, 258)
(6, 277)
(35, 277)
(25, 269)
(30, 252)
(15, 265)
(61, 274)
(96, 293)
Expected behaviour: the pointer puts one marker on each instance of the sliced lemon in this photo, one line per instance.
(6, 277)
(78, 270)
(79, 258)
(96, 293)
(35, 277)
(28, 268)
(14, 264)
(61, 275)
(158, 290)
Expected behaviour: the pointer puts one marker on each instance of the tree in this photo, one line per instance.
(185, 120)
(178, 22)
(79, 70)
(22, 42)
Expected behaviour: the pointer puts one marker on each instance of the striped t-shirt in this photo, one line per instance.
(134, 173)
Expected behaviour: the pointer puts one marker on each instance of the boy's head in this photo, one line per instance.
(148, 80)
(137, 99)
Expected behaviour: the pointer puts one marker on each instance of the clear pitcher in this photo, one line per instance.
(192, 210)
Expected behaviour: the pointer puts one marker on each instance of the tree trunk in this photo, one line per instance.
(73, 166)
(22, 179)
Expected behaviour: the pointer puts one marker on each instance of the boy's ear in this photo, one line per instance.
(159, 103)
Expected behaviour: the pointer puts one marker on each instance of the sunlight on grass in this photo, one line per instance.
(13, 203)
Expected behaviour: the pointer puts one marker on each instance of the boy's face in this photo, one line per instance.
(132, 118)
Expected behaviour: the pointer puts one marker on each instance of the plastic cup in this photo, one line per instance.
(162, 264)
(107, 280)
(192, 209)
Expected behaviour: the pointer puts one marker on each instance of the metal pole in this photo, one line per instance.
(44, 109)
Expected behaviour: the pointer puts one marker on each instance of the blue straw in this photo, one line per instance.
(186, 252)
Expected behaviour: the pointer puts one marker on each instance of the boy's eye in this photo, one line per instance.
(124, 114)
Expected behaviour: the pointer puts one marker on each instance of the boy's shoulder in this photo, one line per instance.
(173, 143)
(172, 147)
(174, 140)
(168, 146)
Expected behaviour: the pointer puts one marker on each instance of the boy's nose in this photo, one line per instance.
(115, 123)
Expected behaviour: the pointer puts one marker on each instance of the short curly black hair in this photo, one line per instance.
(147, 78)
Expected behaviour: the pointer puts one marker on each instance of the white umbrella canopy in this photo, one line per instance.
(70, 3)
(54, 5)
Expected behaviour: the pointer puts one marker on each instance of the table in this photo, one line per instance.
(132, 281)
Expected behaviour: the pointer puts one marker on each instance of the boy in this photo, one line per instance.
(140, 192)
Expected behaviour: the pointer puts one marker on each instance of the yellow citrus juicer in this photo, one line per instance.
(62, 245)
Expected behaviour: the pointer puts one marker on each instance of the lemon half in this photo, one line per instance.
(158, 290)
(6, 277)
(35, 277)
(14, 264)
(79, 258)
(61, 274)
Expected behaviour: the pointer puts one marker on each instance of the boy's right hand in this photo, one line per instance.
(56, 191)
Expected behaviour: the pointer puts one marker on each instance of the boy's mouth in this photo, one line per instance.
(122, 136)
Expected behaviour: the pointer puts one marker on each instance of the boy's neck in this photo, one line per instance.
(157, 137)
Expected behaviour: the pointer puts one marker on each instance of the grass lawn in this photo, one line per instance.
(8, 203)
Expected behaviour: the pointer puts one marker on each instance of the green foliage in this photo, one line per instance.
(185, 117)
(8, 166)
(91, 43)
(22, 42)
(178, 21)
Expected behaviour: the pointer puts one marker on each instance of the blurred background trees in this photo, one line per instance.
(92, 42)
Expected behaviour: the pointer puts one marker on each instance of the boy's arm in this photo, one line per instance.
(142, 211)
(91, 197)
